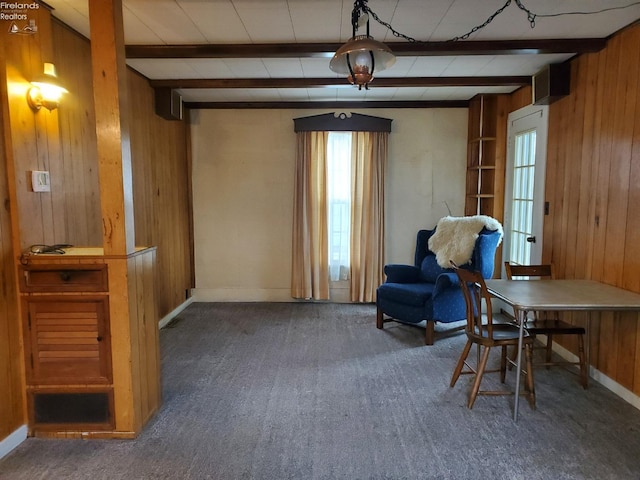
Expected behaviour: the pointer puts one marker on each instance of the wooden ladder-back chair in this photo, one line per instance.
(549, 323)
(487, 335)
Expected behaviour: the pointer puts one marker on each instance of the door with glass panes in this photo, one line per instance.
(524, 185)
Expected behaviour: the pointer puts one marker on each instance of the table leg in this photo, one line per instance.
(587, 349)
(521, 317)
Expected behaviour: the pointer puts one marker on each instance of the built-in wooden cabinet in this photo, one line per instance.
(67, 344)
(71, 338)
(486, 155)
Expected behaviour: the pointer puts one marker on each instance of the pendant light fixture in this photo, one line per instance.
(361, 56)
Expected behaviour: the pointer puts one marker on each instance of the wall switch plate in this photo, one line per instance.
(40, 181)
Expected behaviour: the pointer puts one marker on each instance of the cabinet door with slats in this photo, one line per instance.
(68, 340)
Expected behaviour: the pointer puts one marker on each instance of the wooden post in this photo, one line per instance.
(116, 200)
(112, 126)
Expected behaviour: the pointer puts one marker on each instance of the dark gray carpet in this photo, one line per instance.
(315, 391)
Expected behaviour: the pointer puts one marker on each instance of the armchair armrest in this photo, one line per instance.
(397, 273)
(444, 282)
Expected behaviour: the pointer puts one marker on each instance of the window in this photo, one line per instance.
(338, 210)
(522, 209)
(339, 199)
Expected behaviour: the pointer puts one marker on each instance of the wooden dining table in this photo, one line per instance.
(559, 295)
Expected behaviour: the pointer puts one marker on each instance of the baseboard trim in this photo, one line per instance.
(242, 295)
(601, 378)
(167, 318)
(13, 440)
(338, 292)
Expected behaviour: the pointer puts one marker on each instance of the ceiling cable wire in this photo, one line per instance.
(487, 22)
(531, 17)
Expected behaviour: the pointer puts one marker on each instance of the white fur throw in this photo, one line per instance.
(455, 238)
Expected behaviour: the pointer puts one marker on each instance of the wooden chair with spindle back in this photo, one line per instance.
(487, 335)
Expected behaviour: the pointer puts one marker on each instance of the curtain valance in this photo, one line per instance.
(333, 122)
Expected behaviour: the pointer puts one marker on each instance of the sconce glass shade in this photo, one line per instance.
(46, 90)
(360, 57)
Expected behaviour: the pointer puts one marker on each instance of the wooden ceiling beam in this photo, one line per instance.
(335, 82)
(340, 105)
(408, 49)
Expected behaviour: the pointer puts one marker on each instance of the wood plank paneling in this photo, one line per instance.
(520, 98)
(161, 190)
(585, 220)
(146, 349)
(160, 168)
(12, 411)
(592, 185)
(79, 167)
(23, 148)
(28, 130)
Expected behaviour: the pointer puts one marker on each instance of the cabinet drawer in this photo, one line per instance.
(64, 278)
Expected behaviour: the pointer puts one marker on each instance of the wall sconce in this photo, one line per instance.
(45, 90)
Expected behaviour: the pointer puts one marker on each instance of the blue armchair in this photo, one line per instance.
(425, 291)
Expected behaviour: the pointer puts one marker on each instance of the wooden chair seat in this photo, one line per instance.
(558, 327)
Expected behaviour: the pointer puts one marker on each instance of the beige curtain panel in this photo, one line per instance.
(310, 262)
(369, 155)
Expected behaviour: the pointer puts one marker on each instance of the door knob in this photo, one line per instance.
(531, 239)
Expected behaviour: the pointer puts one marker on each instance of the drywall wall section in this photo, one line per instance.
(243, 173)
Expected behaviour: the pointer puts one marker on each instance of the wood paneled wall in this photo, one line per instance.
(160, 163)
(29, 142)
(35, 139)
(521, 98)
(11, 387)
(161, 193)
(79, 161)
(593, 187)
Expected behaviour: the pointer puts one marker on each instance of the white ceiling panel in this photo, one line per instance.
(218, 20)
(265, 20)
(283, 67)
(290, 22)
(246, 68)
(209, 68)
(172, 68)
(166, 19)
(315, 23)
(294, 94)
(467, 66)
(430, 66)
(401, 68)
(519, 64)
(316, 67)
(409, 93)
(75, 14)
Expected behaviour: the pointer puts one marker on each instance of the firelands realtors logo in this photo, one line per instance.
(17, 15)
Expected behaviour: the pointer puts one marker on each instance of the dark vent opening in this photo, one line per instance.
(71, 407)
